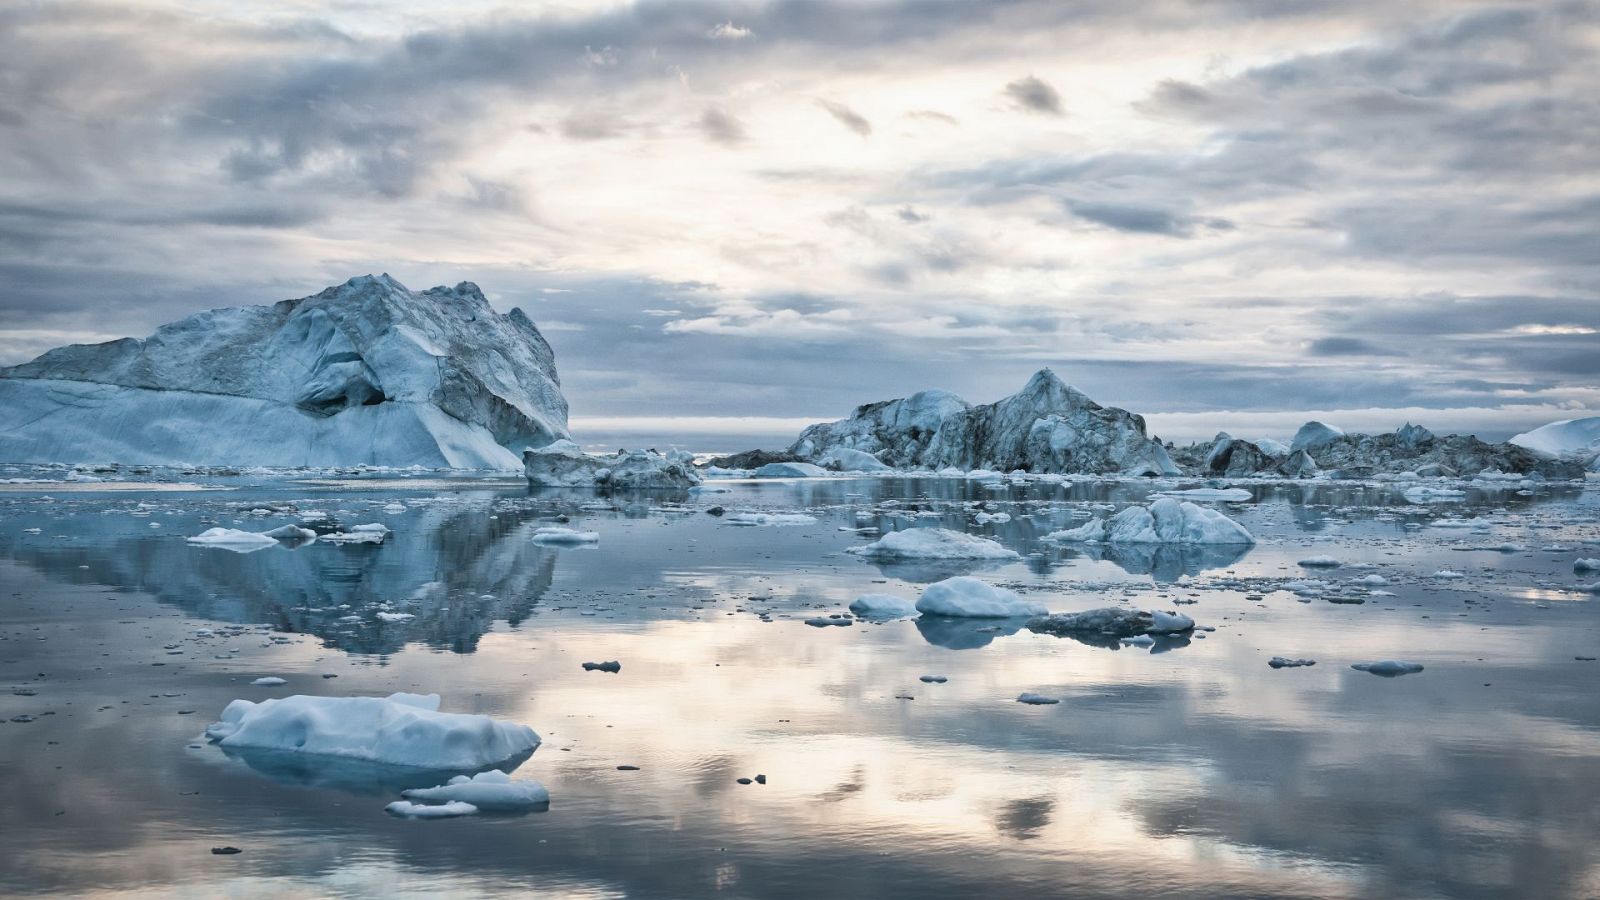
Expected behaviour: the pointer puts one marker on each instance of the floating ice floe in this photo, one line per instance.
(492, 790)
(401, 730)
(1389, 668)
(268, 681)
(1586, 565)
(1423, 493)
(1166, 521)
(933, 543)
(234, 539)
(1033, 699)
(555, 534)
(426, 811)
(883, 606)
(1284, 662)
(1447, 575)
(370, 533)
(1113, 622)
(967, 597)
(1320, 562)
(754, 519)
(1231, 495)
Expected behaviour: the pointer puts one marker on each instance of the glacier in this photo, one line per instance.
(367, 372)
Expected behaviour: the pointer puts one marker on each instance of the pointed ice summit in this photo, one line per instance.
(1047, 426)
(366, 372)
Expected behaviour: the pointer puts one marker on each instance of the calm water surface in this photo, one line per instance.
(1185, 769)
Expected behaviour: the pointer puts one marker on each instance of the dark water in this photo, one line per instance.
(1186, 769)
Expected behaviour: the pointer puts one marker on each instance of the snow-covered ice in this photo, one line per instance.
(883, 606)
(400, 729)
(556, 534)
(234, 539)
(430, 811)
(967, 597)
(932, 543)
(492, 790)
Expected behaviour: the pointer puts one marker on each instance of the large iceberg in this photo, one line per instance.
(398, 730)
(1569, 438)
(1047, 427)
(366, 372)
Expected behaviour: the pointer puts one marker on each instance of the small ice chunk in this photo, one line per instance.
(291, 533)
(1113, 621)
(269, 681)
(370, 533)
(883, 606)
(610, 665)
(967, 597)
(1284, 662)
(555, 534)
(1320, 562)
(752, 519)
(1447, 574)
(1033, 699)
(1586, 565)
(491, 790)
(424, 811)
(234, 539)
(825, 621)
(934, 679)
(1389, 668)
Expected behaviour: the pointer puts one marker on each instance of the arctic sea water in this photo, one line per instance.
(895, 758)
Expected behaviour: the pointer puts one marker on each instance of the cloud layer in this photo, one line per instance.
(782, 209)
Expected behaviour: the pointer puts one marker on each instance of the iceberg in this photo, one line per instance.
(1166, 521)
(789, 470)
(973, 598)
(234, 539)
(363, 373)
(932, 543)
(398, 730)
(1579, 438)
(1047, 427)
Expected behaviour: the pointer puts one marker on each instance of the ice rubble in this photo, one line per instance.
(1113, 622)
(1045, 427)
(564, 464)
(366, 372)
(1166, 521)
(401, 729)
(973, 598)
(932, 543)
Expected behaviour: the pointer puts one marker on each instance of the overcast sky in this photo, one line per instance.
(1221, 215)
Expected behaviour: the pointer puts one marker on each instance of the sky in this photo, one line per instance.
(734, 218)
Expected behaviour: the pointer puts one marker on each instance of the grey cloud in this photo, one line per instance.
(721, 127)
(1034, 95)
(847, 117)
(1145, 219)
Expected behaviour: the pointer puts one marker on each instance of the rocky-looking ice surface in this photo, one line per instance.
(366, 372)
(1411, 448)
(565, 464)
(1047, 427)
